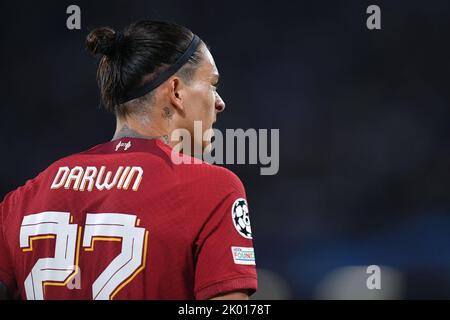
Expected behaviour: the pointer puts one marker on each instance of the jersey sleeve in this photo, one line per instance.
(6, 270)
(225, 259)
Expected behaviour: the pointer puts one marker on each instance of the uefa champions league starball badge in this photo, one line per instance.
(241, 219)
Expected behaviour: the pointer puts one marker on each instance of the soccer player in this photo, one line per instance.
(122, 220)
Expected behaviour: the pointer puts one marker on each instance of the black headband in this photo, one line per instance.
(166, 74)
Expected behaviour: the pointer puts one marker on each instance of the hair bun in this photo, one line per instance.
(102, 41)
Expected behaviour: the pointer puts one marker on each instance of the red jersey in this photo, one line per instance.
(122, 221)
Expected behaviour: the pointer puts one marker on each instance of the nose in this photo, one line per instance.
(220, 104)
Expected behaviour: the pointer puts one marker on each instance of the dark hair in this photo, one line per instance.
(139, 54)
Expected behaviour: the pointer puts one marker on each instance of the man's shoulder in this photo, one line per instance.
(206, 180)
(223, 176)
(13, 198)
(33, 182)
(191, 170)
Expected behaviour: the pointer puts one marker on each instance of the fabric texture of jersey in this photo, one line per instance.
(122, 221)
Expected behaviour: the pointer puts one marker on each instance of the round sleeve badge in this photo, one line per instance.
(241, 219)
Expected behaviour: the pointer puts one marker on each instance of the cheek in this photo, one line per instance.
(212, 101)
(206, 103)
(201, 104)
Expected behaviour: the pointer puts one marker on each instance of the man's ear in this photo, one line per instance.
(176, 93)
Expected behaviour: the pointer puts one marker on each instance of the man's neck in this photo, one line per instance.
(127, 132)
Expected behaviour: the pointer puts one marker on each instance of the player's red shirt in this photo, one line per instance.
(122, 221)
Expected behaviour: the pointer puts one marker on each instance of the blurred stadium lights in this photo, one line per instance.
(272, 286)
(350, 283)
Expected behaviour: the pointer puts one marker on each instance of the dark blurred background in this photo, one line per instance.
(363, 118)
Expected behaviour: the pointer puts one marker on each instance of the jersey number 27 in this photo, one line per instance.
(63, 267)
